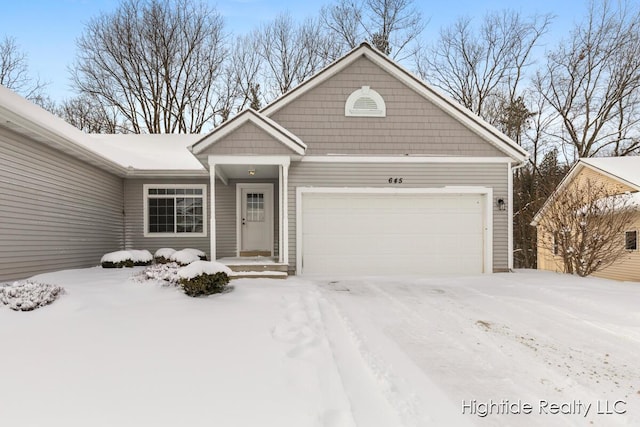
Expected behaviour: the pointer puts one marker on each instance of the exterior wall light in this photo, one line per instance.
(501, 204)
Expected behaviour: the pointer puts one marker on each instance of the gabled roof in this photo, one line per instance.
(462, 114)
(625, 170)
(272, 128)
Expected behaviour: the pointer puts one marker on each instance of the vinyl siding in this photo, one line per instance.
(225, 207)
(432, 175)
(248, 139)
(413, 125)
(56, 212)
(628, 268)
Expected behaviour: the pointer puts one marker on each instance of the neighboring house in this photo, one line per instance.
(619, 175)
(361, 170)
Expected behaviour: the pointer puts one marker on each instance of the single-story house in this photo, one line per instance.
(619, 175)
(362, 169)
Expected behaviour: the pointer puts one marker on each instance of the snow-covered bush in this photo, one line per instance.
(141, 257)
(163, 255)
(117, 259)
(198, 252)
(184, 257)
(27, 295)
(167, 272)
(204, 278)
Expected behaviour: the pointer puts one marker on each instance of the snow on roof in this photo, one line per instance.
(147, 152)
(143, 152)
(626, 168)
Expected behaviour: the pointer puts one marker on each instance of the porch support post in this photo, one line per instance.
(284, 245)
(280, 214)
(212, 209)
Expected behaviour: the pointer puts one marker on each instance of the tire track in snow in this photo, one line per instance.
(402, 384)
(312, 359)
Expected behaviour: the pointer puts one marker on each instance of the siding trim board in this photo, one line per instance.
(403, 159)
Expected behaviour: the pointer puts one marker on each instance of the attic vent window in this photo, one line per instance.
(365, 102)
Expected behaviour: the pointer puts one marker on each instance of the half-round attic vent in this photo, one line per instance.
(365, 102)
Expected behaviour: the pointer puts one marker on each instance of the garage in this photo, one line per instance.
(386, 232)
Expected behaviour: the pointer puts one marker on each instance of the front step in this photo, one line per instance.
(258, 275)
(255, 267)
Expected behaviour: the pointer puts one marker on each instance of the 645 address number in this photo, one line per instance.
(393, 180)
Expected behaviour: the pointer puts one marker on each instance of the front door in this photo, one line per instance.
(256, 219)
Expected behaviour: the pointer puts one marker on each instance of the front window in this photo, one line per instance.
(175, 210)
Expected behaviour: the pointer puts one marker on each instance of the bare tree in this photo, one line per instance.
(87, 115)
(343, 20)
(157, 63)
(291, 52)
(392, 26)
(14, 71)
(592, 82)
(244, 69)
(584, 226)
(483, 68)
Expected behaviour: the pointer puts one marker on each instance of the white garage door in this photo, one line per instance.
(391, 234)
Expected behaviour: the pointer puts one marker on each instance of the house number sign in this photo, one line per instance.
(393, 180)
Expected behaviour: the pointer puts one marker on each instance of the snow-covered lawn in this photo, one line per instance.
(324, 352)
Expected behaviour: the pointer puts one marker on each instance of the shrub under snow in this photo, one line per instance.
(141, 257)
(27, 295)
(167, 272)
(198, 252)
(204, 278)
(163, 255)
(197, 268)
(184, 257)
(119, 259)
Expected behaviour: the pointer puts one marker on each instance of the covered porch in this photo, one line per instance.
(249, 212)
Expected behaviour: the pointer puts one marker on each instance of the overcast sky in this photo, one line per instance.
(47, 29)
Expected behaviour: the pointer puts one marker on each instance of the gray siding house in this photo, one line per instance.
(362, 170)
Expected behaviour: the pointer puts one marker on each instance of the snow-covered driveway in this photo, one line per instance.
(554, 342)
(325, 353)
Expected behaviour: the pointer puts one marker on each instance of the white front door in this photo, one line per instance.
(256, 217)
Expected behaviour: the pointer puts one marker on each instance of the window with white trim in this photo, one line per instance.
(631, 240)
(175, 210)
(365, 102)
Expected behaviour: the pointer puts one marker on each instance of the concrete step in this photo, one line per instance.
(258, 275)
(259, 267)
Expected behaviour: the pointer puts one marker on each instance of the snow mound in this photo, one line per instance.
(140, 256)
(198, 268)
(184, 257)
(164, 253)
(116, 257)
(198, 252)
(27, 295)
(126, 258)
